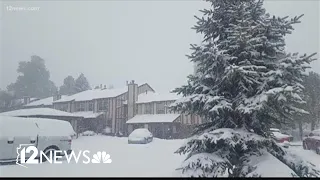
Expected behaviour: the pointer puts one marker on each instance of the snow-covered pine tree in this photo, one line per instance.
(81, 83)
(245, 83)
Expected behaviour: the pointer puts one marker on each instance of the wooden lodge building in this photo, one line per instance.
(122, 110)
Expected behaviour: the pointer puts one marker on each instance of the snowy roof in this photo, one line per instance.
(38, 112)
(156, 97)
(88, 114)
(21, 101)
(94, 94)
(45, 101)
(153, 118)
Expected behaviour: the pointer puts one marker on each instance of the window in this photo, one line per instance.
(103, 105)
(63, 107)
(80, 106)
(90, 106)
(148, 108)
(160, 108)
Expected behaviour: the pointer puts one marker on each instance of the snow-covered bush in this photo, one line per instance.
(107, 131)
(88, 133)
(245, 84)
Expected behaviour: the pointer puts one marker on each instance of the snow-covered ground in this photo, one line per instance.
(307, 155)
(155, 159)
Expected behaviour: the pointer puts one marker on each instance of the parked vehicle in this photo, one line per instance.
(281, 138)
(312, 141)
(46, 134)
(140, 136)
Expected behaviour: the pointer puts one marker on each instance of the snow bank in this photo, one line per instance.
(107, 130)
(267, 165)
(155, 159)
(88, 133)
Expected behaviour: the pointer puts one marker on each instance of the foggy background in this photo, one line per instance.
(115, 41)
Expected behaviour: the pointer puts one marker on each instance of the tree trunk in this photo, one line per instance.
(300, 130)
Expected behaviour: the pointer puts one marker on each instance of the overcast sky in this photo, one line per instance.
(114, 41)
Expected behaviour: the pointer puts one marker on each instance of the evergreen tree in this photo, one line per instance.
(312, 94)
(244, 84)
(81, 84)
(5, 99)
(68, 87)
(34, 79)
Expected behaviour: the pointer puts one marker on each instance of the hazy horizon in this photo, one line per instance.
(112, 42)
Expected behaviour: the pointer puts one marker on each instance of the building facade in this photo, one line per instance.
(108, 102)
(151, 111)
(123, 110)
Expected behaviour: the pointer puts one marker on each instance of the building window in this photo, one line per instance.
(63, 107)
(103, 105)
(80, 106)
(149, 108)
(160, 108)
(90, 106)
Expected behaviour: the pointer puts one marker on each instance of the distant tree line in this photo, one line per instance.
(34, 81)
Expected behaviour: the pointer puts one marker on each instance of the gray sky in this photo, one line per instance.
(114, 41)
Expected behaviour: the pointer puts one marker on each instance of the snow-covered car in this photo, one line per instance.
(312, 141)
(282, 139)
(46, 134)
(140, 136)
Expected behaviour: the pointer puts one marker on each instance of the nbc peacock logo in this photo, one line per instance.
(101, 157)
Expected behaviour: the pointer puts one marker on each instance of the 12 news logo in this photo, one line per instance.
(55, 157)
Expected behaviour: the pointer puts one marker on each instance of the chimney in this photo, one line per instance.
(26, 99)
(132, 98)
